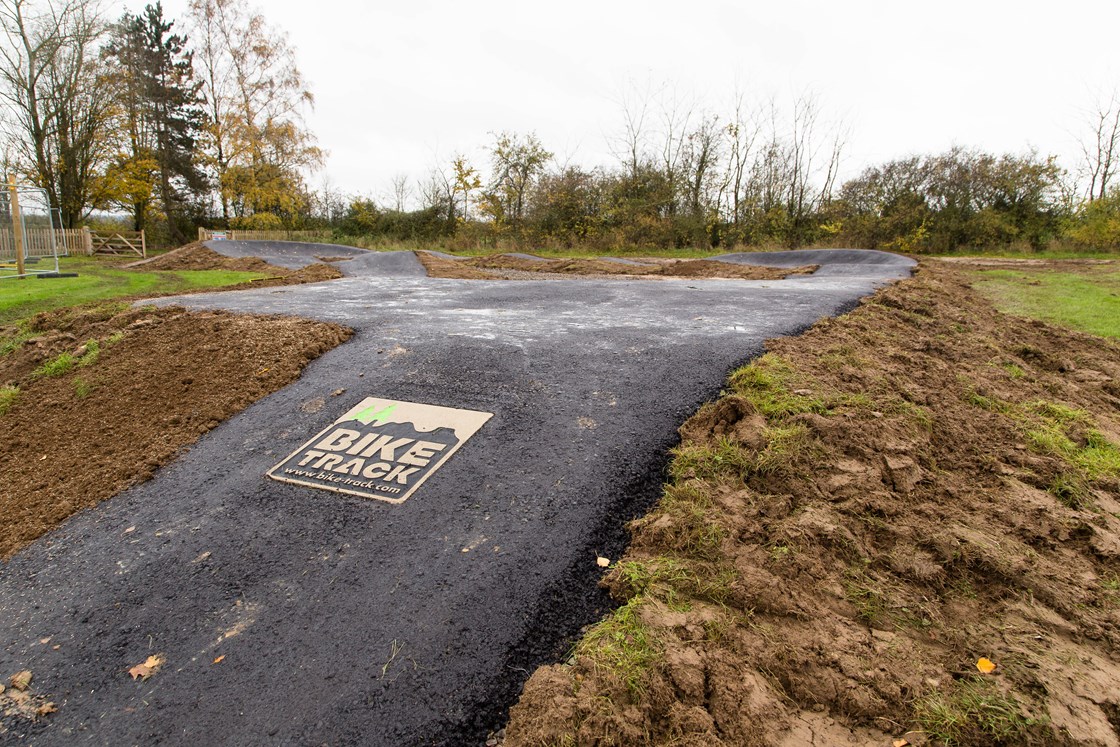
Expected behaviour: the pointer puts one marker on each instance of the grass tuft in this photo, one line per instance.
(621, 645)
(82, 388)
(57, 366)
(766, 384)
(8, 395)
(973, 711)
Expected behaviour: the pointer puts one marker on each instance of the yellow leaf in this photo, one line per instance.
(46, 708)
(150, 666)
(986, 666)
(899, 743)
(219, 659)
(21, 680)
(603, 562)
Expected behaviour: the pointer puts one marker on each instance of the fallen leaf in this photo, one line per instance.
(219, 659)
(55, 647)
(899, 743)
(986, 666)
(603, 562)
(201, 557)
(130, 530)
(46, 708)
(150, 666)
(20, 680)
(45, 641)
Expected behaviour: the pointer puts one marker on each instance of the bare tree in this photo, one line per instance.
(698, 165)
(740, 133)
(59, 118)
(437, 192)
(1101, 149)
(400, 191)
(630, 147)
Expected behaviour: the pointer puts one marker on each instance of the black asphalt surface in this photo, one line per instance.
(349, 621)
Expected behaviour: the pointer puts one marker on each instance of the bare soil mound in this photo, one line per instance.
(198, 257)
(902, 525)
(99, 398)
(511, 267)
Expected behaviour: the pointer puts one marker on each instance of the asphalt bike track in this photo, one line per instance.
(345, 620)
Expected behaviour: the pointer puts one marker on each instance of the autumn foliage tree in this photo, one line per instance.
(258, 147)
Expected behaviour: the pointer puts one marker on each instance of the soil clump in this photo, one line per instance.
(872, 516)
(512, 267)
(95, 399)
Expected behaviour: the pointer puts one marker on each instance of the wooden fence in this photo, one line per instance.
(68, 241)
(38, 242)
(206, 234)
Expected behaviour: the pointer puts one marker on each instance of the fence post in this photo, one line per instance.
(143, 245)
(87, 241)
(17, 224)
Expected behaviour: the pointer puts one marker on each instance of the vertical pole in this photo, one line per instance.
(17, 224)
(87, 241)
(143, 245)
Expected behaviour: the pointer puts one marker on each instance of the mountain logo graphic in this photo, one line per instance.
(381, 449)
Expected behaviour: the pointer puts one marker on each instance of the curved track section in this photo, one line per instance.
(347, 621)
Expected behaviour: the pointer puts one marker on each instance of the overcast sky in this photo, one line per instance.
(399, 85)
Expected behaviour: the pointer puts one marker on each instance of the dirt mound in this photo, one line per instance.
(707, 268)
(876, 510)
(99, 398)
(511, 267)
(442, 267)
(198, 257)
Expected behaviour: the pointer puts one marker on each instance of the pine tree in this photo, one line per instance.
(162, 111)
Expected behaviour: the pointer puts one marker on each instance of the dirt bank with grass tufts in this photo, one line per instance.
(872, 509)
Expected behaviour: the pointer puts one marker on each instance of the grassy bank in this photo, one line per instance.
(100, 279)
(1084, 297)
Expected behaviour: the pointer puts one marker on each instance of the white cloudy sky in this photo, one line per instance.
(401, 84)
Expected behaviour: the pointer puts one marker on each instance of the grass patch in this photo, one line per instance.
(99, 280)
(721, 460)
(1087, 300)
(82, 388)
(973, 711)
(14, 341)
(57, 366)
(621, 645)
(766, 382)
(690, 529)
(1071, 491)
(675, 581)
(1059, 430)
(8, 396)
(93, 350)
(786, 446)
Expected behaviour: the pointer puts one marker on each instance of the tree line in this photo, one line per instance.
(756, 176)
(200, 122)
(132, 116)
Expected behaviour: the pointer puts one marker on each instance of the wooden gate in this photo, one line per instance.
(118, 242)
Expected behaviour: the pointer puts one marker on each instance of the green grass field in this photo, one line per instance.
(99, 280)
(1086, 299)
